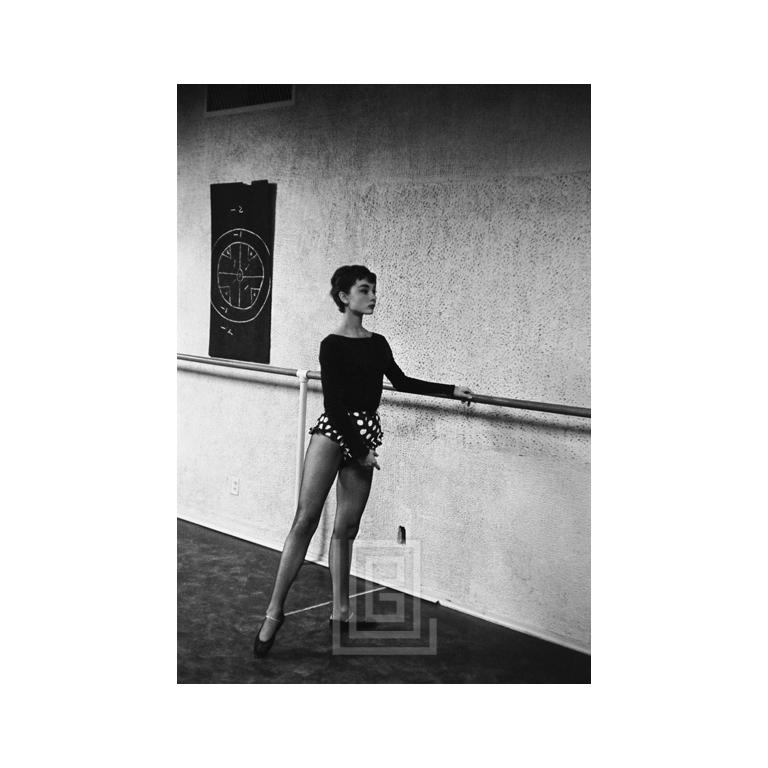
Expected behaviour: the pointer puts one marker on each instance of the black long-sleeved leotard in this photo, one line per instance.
(351, 371)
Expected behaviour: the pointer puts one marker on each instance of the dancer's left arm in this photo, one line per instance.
(404, 383)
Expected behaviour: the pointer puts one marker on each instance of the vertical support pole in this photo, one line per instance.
(301, 374)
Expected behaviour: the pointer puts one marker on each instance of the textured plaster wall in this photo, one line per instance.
(471, 204)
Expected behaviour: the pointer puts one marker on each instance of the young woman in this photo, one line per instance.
(344, 441)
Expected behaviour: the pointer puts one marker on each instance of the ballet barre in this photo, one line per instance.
(505, 402)
(304, 376)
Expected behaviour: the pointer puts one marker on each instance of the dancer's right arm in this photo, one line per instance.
(332, 378)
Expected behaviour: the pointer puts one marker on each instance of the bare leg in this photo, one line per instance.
(352, 489)
(321, 463)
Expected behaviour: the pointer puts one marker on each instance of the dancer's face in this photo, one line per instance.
(362, 297)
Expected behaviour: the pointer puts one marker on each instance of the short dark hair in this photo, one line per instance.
(345, 277)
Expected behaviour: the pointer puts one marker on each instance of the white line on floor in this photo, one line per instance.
(330, 602)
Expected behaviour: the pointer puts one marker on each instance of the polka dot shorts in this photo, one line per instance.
(367, 422)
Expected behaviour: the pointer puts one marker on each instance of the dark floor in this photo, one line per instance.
(223, 589)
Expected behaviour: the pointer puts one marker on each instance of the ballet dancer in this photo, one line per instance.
(344, 441)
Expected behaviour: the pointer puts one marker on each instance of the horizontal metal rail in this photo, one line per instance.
(506, 402)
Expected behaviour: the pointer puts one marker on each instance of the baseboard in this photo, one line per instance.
(551, 637)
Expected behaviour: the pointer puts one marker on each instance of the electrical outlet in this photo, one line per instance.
(234, 486)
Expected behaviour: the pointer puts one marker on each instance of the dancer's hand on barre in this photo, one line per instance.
(369, 460)
(464, 394)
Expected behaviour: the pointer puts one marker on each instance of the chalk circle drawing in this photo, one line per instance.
(242, 283)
